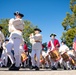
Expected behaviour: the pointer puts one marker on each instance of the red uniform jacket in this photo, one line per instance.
(25, 47)
(56, 44)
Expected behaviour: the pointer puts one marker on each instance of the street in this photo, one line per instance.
(26, 71)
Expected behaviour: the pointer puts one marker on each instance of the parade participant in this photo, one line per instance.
(36, 41)
(53, 44)
(2, 38)
(25, 47)
(74, 43)
(4, 56)
(64, 49)
(16, 27)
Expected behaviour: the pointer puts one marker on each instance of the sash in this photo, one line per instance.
(52, 45)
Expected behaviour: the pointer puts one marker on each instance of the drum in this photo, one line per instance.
(42, 59)
(73, 62)
(65, 56)
(23, 56)
(55, 55)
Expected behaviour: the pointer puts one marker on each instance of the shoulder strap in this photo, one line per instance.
(52, 45)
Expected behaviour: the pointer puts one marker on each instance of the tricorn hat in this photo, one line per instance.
(18, 13)
(37, 29)
(53, 35)
(63, 41)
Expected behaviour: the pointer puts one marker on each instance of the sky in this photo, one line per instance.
(46, 14)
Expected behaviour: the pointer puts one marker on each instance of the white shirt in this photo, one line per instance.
(63, 48)
(2, 38)
(36, 45)
(15, 25)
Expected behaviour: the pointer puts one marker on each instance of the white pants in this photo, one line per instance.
(15, 44)
(54, 63)
(37, 52)
(4, 57)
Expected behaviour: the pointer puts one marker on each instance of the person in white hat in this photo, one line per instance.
(16, 27)
(36, 41)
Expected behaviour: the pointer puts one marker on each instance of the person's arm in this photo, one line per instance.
(57, 44)
(10, 25)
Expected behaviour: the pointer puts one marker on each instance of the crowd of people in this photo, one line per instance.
(16, 49)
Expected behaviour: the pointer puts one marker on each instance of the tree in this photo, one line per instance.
(4, 24)
(69, 24)
(28, 29)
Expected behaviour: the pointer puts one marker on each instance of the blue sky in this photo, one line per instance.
(46, 14)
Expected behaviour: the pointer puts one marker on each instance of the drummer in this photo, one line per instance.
(52, 44)
(64, 48)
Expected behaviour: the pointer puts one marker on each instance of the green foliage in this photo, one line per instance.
(68, 36)
(4, 24)
(69, 24)
(73, 6)
(28, 29)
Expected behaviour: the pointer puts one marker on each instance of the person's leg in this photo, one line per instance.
(64, 65)
(68, 65)
(6, 58)
(8, 51)
(52, 62)
(32, 57)
(38, 57)
(2, 58)
(17, 42)
(56, 64)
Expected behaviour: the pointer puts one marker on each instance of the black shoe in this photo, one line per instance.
(3, 66)
(36, 68)
(15, 69)
(54, 68)
(65, 68)
(32, 67)
(69, 68)
(12, 66)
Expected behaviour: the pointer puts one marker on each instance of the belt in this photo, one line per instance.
(20, 30)
(37, 41)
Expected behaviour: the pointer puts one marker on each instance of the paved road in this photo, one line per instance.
(4, 71)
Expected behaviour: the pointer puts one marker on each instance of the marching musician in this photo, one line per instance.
(53, 44)
(36, 41)
(4, 56)
(64, 49)
(74, 43)
(2, 38)
(16, 26)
